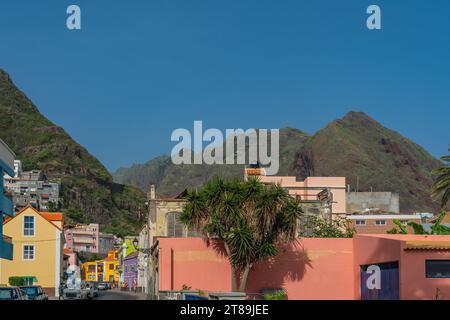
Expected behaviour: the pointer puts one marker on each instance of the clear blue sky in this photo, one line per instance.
(139, 69)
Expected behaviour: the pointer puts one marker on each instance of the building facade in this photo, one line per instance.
(106, 270)
(381, 223)
(106, 242)
(6, 205)
(318, 195)
(130, 268)
(38, 249)
(83, 238)
(406, 267)
(31, 188)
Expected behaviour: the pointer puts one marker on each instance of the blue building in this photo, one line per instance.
(6, 205)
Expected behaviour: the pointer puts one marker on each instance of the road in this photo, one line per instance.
(119, 295)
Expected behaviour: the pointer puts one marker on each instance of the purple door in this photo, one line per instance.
(388, 286)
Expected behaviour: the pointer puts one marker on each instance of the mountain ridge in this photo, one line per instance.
(355, 146)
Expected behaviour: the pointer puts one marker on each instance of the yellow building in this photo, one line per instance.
(102, 270)
(112, 267)
(38, 249)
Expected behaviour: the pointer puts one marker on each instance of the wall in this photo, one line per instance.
(309, 269)
(371, 249)
(385, 201)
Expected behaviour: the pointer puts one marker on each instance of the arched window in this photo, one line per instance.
(175, 228)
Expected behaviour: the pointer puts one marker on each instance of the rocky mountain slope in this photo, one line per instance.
(356, 146)
(87, 189)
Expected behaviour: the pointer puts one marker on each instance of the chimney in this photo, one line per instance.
(151, 193)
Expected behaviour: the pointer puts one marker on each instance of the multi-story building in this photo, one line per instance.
(102, 270)
(83, 238)
(143, 258)
(318, 195)
(6, 205)
(130, 268)
(106, 242)
(31, 188)
(38, 249)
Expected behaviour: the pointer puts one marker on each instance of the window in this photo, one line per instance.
(380, 222)
(91, 268)
(111, 266)
(437, 268)
(28, 226)
(360, 222)
(28, 252)
(174, 227)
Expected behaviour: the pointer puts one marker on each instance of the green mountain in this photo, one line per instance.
(357, 147)
(87, 189)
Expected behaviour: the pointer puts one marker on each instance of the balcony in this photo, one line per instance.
(83, 240)
(6, 248)
(6, 205)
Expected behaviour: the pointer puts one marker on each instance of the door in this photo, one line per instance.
(380, 281)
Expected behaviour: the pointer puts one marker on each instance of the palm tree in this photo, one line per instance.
(441, 186)
(249, 217)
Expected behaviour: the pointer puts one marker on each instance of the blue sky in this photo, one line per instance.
(140, 69)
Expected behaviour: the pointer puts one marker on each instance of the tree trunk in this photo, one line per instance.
(233, 270)
(243, 283)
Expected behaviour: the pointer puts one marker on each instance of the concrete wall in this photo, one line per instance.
(386, 201)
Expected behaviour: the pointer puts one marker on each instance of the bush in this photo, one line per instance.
(279, 295)
(16, 281)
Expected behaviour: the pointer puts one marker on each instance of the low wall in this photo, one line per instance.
(307, 269)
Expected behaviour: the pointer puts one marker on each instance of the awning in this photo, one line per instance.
(427, 245)
(30, 278)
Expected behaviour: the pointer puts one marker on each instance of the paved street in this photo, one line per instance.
(119, 295)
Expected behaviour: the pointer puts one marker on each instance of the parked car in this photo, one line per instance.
(12, 293)
(123, 286)
(102, 286)
(93, 289)
(34, 292)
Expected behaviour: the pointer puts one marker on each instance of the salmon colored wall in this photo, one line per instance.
(309, 269)
(190, 262)
(312, 268)
(371, 249)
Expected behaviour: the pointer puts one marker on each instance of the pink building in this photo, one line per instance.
(83, 238)
(309, 189)
(365, 267)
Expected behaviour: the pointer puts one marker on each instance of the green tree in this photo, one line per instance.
(441, 186)
(249, 217)
(319, 227)
(437, 228)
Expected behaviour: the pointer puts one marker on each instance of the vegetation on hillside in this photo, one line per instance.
(87, 190)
